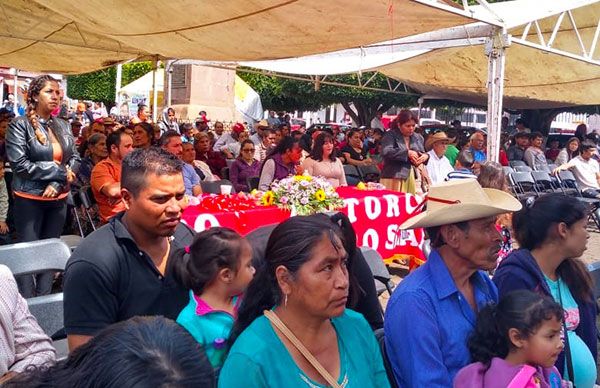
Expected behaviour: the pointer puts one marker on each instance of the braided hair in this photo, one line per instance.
(35, 87)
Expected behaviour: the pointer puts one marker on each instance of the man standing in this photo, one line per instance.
(432, 312)
(106, 175)
(171, 142)
(517, 150)
(124, 268)
(438, 166)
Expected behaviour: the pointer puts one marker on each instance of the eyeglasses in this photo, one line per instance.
(248, 150)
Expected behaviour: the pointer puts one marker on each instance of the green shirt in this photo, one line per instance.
(452, 153)
(258, 358)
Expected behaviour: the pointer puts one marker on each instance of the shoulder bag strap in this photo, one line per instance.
(567, 346)
(275, 321)
(523, 378)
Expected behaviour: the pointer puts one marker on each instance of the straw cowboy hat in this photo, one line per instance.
(434, 138)
(458, 201)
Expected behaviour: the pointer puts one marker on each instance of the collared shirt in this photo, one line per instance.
(190, 178)
(109, 279)
(438, 168)
(478, 155)
(104, 173)
(223, 141)
(22, 341)
(427, 323)
(515, 152)
(585, 172)
(460, 173)
(210, 327)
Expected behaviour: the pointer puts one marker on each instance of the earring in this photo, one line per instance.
(285, 300)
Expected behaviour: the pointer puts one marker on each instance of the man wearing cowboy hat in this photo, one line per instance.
(438, 166)
(432, 312)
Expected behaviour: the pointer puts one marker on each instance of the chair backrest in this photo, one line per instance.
(86, 197)
(370, 173)
(48, 310)
(515, 163)
(594, 270)
(215, 186)
(380, 337)
(350, 170)
(253, 182)
(375, 262)
(523, 169)
(523, 181)
(507, 169)
(37, 256)
(225, 173)
(544, 181)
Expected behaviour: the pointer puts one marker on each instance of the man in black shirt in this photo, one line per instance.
(517, 151)
(124, 269)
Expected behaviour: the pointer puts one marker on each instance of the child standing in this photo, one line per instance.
(216, 268)
(515, 344)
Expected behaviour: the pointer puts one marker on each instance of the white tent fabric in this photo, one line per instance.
(68, 36)
(247, 101)
(143, 85)
(451, 63)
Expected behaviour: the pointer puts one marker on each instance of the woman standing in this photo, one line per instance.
(323, 161)
(403, 153)
(244, 167)
(570, 151)
(143, 135)
(282, 162)
(551, 231)
(295, 308)
(41, 152)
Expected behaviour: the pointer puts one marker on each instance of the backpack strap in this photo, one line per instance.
(523, 378)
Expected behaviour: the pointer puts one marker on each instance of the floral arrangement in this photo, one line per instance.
(303, 195)
(370, 186)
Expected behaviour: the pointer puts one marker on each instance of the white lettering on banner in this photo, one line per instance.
(407, 206)
(393, 205)
(398, 238)
(372, 207)
(204, 219)
(351, 203)
(370, 234)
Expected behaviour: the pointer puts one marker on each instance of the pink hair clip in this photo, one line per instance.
(187, 249)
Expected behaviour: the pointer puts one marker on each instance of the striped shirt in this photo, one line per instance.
(460, 174)
(22, 341)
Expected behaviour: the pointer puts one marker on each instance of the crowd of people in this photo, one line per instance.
(293, 304)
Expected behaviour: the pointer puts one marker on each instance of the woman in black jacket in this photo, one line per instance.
(42, 155)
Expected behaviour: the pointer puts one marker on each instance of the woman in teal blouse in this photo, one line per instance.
(304, 282)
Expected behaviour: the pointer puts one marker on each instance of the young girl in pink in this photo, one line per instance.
(515, 344)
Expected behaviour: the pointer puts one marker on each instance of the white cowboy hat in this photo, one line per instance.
(434, 138)
(461, 200)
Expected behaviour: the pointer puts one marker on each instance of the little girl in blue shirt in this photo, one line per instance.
(515, 344)
(217, 268)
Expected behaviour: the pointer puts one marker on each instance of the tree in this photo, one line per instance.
(100, 85)
(287, 94)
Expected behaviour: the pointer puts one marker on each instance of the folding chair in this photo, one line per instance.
(215, 187)
(380, 336)
(515, 163)
(253, 182)
(369, 173)
(507, 170)
(523, 185)
(523, 169)
(545, 183)
(381, 275)
(352, 174)
(571, 187)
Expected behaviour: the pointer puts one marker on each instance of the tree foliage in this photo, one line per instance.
(284, 94)
(100, 85)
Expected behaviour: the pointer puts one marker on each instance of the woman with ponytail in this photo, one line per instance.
(551, 231)
(293, 327)
(41, 151)
(216, 268)
(515, 344)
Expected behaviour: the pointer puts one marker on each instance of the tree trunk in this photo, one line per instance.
(539, 120)
(363, 111)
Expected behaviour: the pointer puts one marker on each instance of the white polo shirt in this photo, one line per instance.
(585, 172)
(438, 168)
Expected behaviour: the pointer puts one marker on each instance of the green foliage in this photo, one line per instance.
(100, 85)
(282, 94)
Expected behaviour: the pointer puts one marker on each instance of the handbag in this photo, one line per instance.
(275, 321)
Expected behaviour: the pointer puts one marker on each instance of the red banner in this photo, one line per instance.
(375, 216)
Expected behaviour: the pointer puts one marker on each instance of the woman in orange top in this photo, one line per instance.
(42, 155)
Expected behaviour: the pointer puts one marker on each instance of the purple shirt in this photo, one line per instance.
(240, 171)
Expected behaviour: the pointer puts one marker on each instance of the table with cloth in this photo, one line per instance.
(375, 216)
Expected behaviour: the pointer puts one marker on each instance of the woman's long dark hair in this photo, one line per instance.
(149, 130)
(286, 143)
(140, 352)
(291, 244)
(212, 250)
(523, 310)
(317, 151)
(571, 155)
(532, 225)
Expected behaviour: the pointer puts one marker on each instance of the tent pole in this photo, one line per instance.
(495, 49)
(154, 92)
(16, 93)
(118, 85)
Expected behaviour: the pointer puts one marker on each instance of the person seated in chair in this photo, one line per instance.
(585, 169)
